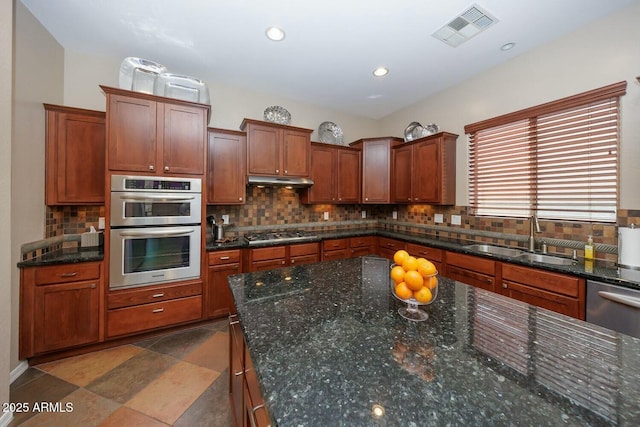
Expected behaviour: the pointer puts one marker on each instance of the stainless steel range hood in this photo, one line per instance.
(279, 181)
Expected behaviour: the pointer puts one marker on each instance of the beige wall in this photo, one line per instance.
(39, 67)
(84, 73)
(6, 74)
(600, 54)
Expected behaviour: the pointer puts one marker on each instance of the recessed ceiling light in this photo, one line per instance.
(381, 71)
(274, 33)
(507, 46)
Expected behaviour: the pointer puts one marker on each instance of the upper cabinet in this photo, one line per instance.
(376, 168)
(335, 171)
(276, 150)
(424, 171)
(75, 156)
(152, 134)
(226, 160)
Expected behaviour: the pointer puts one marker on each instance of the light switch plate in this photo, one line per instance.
(364, 214)
(225, 219)
(456, 220)
(101, 224)
(438, 218)
(394, 214)
(326, 216)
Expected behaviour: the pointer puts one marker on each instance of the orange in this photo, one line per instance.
(431, 282)
(397, 274)
(427, 268)
(423, 295)
(402, 291)
(413, 279)
(410, 264)
(421, 260)
(400, 256)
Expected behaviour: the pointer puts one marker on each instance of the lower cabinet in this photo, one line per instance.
(153, 307)
(303, 253)
(362, 246)
(388, 247)
(472, 270)
(334, 249)
(218, 298)
(271, 257)
(435, 255)
(60, 307)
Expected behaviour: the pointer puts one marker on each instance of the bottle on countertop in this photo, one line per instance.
(589, 251)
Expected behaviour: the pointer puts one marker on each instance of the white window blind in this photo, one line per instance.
(559, 159)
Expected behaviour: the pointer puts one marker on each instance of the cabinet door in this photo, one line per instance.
(184, 138)
(131, 134)
(375, 171)
(295, 152)
(402, 173)
(349, 176)
(426, 172)
(322, 158)
(263, 150)
(66, 315)
(219, 299)
(226, 168)
(75, 156)
(236, 370)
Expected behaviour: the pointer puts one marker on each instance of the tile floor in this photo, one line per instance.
(180, 379)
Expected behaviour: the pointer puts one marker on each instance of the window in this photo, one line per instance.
(559, 160)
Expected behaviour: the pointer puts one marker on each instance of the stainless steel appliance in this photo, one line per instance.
(155, 230)
(614, 307)
(284, 237)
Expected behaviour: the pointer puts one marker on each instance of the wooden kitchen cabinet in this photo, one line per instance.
(303, 253)
(424, 171)
(376, 168)
(362, 245)
(151, 134)
(554, 291)
(333, 249)
(218, 297)
(226, 167)
(74, 156)
(60, 307)
(476, 271)
(434, 255)
(271, 257)
(388, 247)
(277, 150)
(336, 176)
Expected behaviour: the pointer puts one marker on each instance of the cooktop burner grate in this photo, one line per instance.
(279, 237)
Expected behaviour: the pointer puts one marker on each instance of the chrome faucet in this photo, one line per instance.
(535, 227)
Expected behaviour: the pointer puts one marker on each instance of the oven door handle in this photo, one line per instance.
(157, 233)
(158, 197)
(622, 299)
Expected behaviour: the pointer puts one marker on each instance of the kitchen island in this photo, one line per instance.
(329, 348)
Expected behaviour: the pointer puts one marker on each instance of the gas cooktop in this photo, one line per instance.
(279, 237)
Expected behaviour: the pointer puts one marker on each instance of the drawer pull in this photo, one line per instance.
(224, 258)
(159, 295)
(158, 310)
(93, 286)
(74, 274)
(237, 374)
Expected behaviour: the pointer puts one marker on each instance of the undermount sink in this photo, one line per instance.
(545, 259)
(495, 250)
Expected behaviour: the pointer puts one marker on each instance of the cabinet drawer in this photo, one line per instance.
(419, 251)
(224, 257)
(469, 262)
(149, 316)
(262, 254)
(359, 242)
(303, 249)
(479, 280)
(334, 244)
(390, 244)
(549, 300)
(67, 273)
(129, 297)
(304, 259)
(546, 280)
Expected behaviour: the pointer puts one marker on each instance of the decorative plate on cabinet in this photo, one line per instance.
(277, 114)
(330, 133)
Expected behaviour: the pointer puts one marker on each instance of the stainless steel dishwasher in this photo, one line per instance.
(614, 307)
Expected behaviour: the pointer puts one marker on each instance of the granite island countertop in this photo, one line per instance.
(328, 345)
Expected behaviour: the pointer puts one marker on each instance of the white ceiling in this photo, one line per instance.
(331, 48)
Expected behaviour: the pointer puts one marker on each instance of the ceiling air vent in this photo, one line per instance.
(468, 24)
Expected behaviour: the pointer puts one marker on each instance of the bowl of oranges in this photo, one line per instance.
(415, 282)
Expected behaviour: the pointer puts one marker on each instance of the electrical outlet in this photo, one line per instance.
(225, 219)
(326, 216)
(364, 214)
(456, 220)
(101, 224)
(438, 218)
(394, 214)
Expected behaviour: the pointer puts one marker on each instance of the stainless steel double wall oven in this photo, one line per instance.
(155, 230)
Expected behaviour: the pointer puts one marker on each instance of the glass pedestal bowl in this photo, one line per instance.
(412, 311)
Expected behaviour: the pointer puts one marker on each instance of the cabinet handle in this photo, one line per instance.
(237, 374)
(166, 168)
(151, 167)
(223, 258)
(158, 310)
(93, 286)
(277, 170)
(366, 199)
(504, 285)
(489, 281)
(74, 274)
(282, 262)
(293, 261)
(285, 172)
(240, 198)
(409, 198)
(252, 417)
(158, 295)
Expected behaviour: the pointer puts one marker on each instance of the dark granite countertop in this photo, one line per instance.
(65, 256)
(328, 345)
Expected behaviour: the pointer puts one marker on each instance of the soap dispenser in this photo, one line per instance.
(589, 251)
